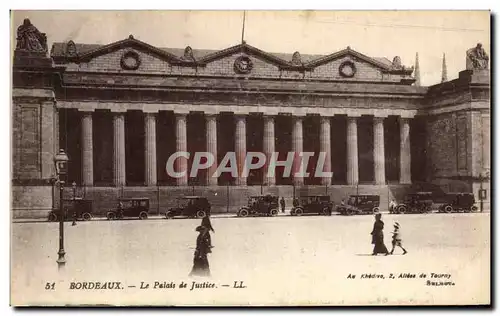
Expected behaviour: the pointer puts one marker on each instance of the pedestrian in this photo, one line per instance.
(397, 240)
(378, 236)
(200, 260)
(120, 209)
(295, 202)
(282, 204)
(205, 222)
(392, 206)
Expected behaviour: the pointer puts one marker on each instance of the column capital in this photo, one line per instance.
(353, 115)
(150, 111)
(118, 111)
(181, 112)
(379, 118)
(86, 111)
(325, 119)
(404, 119)
(210, 115)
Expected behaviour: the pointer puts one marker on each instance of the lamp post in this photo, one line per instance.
(61, 165)
(74, 203)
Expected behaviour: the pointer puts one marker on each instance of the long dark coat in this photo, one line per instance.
(200, 260)
(378, 238)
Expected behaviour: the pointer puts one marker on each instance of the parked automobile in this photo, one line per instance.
(130, 207)
(190, 206)
(360, 204)
(458, 202)
(314, 204)
(260, 205)
(79, 209)
(419, 202)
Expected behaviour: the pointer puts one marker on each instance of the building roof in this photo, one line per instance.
(58, 51)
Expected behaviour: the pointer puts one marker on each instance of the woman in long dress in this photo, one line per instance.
(378, 236)
(200, 261)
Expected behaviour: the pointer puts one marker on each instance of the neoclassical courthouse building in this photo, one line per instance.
(120, 110)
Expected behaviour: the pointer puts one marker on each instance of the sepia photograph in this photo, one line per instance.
(250, 158)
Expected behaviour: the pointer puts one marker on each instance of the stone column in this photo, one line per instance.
(405, 153)
(87, 150)
(268, 144)
(119, 149)
(181, 134)
(241, 147)
(379, 150)
(150, 174)
(352, 151)
(297, 147)
(211, 122)
(326, 147)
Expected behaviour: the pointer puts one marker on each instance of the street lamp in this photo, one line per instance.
(482, 192)
(61, 165)
(74, 203)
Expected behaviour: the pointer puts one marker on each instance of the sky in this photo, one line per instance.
(373, 33)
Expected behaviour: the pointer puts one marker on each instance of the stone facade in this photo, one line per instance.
(121, 109)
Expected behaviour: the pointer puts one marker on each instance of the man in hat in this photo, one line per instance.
(397, 239)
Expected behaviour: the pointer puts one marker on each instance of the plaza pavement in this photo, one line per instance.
(281, 260)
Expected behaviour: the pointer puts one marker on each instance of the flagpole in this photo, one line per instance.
(243, 28)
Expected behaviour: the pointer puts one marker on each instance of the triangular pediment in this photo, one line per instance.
(245, 49)
(348, 52)
(129, 42)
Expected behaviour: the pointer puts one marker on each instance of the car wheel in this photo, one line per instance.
(169, 215)
(401, 209)
(87, 216)
(243, 213)
(143, 215)
(111, 216)
(473, 208)
(52, 217)
(299, 212)
(274, 212)
(200, 214)
(448, 209)
(376, 210)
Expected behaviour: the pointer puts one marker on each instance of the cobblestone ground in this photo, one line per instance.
(281, 260)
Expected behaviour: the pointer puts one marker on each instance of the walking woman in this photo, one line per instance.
(205, 222)
(378, 236)
(200, 261)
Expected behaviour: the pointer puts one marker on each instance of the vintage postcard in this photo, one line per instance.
(250, 158)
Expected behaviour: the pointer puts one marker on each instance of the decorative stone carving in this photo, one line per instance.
(296, 59)
(243, 65)
(396, 63)
(188, 54)
(130, 60)
(477, 58)
(30, 39)
(347, 69)
(71, 50)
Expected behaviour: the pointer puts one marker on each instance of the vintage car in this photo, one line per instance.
(266, 205)
(190, 206)
(360, 204)
(73, 209)
(458, 202)
(419, 202)
(314, 204)
(130, 207)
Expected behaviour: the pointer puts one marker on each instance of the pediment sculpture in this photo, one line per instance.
(396, 63)
(188, 54)
(30, 39)
(296, 59)
(477, 58)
